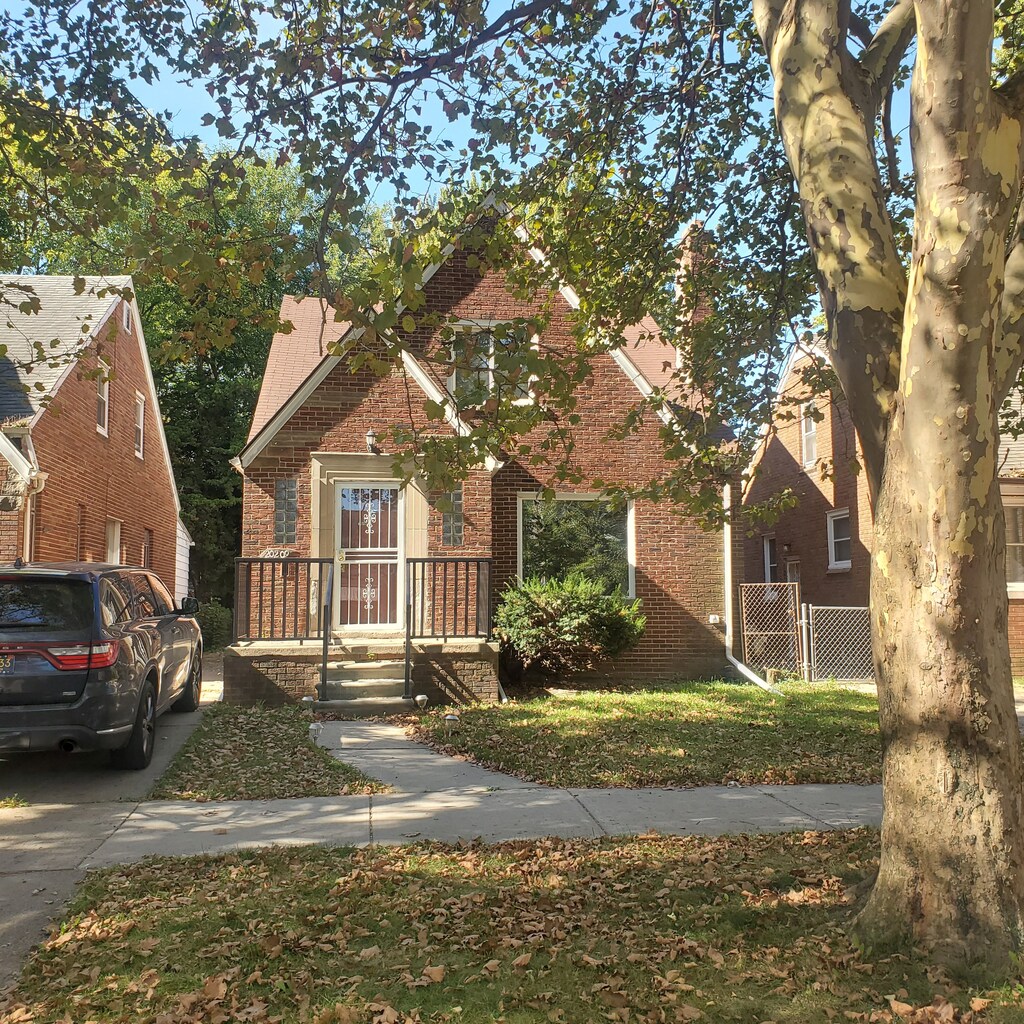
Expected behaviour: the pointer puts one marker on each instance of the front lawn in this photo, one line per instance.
(685, 734)
(733, 929)
(257, 753)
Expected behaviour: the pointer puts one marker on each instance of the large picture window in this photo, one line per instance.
(580, 534)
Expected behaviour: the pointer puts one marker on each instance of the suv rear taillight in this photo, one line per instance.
(71, 657)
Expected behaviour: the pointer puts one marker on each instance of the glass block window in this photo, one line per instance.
(452, 521)
(286, 511)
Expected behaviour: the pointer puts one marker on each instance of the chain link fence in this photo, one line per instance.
(770, 613)
(815, 642)
(840, 642)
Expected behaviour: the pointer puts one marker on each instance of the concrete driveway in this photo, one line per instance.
(74, 803)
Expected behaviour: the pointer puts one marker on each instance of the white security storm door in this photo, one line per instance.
(368, 532)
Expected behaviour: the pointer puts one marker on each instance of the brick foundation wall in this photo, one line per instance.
(453, 673)
(457, 674)
(270, 677)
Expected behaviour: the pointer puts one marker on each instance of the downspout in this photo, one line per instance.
(745, 671)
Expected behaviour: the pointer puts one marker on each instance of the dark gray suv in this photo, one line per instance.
(90, 655)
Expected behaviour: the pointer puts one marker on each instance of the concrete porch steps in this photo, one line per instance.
(364, 687)
(366, 707)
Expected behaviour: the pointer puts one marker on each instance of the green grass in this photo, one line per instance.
(686, 734)
(733, 929)
(257, 753)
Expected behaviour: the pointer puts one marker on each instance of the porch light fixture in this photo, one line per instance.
(421, 700)
(371, 440)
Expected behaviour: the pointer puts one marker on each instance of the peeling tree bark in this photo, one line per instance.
(924, 366)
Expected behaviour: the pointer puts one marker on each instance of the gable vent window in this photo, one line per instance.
(103, 400)
(286, 511)
(453, 523)
(127, 317)
(140, 424)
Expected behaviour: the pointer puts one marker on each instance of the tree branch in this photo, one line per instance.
(1009, 346)
(829, 141)
(882, 56)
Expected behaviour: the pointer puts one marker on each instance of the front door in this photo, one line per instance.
(368, 528)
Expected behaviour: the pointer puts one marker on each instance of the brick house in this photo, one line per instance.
(86, 471)
(319, 484)
(824, 542)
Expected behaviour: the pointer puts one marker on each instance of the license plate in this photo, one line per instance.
(6, 664)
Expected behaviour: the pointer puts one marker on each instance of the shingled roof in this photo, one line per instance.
(296, 354)
(41, 342)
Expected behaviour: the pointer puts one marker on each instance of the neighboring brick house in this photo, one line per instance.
(824, 542)
(88, 473)
(307, 458)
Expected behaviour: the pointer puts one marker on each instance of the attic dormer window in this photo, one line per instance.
(487, 362)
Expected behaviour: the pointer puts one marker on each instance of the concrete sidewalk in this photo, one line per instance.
(441, 798)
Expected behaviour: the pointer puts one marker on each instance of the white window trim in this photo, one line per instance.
(830, 518)
(126, 317)
(580, 496)
(103, 386)
(116, 560)
(804, 420)
(1014, 498)
(766, 540)
(477, 326)
(140, 448)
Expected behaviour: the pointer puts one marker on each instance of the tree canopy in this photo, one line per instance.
(608, 127)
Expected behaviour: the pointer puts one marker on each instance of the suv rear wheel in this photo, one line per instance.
(138, 751)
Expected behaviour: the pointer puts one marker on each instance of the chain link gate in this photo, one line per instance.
(840, 643)
(770, 614)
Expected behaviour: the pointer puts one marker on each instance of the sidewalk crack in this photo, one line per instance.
(589, 814)
(799, 810)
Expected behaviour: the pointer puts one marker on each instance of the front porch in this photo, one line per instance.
(294, 637)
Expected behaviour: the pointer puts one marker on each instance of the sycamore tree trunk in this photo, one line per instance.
(924, 362)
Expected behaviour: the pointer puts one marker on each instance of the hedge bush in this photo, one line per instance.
(215, 621)
(565, 626)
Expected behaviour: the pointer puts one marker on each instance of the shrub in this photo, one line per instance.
(565, 626)
(215, 621)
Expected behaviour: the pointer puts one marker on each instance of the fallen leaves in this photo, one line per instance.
(643, 931)
(257, 753)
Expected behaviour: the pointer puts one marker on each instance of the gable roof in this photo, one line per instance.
(42, 344)
(43, 347)
(295, 354)
(274, 410)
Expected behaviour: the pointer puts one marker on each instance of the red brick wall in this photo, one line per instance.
(101, 474)
(801, 532)
(679, 566)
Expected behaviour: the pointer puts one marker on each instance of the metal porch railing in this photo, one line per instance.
(445, 598)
